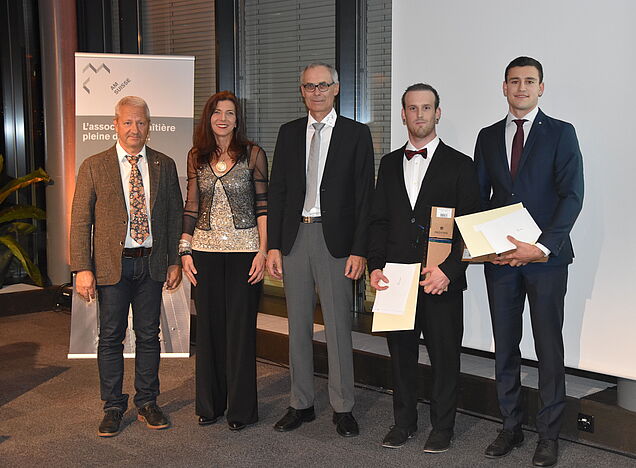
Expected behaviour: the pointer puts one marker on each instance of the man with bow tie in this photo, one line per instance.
(125, 229)
(423, 173)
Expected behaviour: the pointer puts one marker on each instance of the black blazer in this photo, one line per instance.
(398, 233)
(345, 189)
(549, 180)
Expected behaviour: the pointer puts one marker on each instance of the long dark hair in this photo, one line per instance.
(204, 145)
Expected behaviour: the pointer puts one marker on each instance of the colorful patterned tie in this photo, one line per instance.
(138, 213)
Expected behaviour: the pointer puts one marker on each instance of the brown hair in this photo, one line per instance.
(203, 142)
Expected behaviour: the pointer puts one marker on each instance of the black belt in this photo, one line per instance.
(310, 219)
(136, 252)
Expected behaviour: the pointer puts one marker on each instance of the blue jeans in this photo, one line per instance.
(138, 289)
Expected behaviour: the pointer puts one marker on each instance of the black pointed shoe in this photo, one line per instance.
(236, 425)
(205, 421)
(504, 443)
(294, 418)
(397, 437)
(109, 426)
(546, 453)
(152, 415)
(346, 424)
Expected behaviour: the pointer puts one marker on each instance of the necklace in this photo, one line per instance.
(221, 166)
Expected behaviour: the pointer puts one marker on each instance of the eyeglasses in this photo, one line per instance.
(322, 86)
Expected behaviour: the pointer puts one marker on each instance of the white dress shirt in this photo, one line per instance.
(124, 168)
(325, 139)
(511, 129)
(415, 168)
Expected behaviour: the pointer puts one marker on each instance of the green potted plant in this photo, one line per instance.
(11, 226)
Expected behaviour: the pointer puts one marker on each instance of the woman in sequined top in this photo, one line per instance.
(223, 254)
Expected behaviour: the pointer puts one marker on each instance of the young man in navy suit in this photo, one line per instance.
(531, 158)
(423, 173)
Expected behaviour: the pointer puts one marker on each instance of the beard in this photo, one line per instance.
(422, 131)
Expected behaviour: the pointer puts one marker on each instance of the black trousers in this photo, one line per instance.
(545, 286)
(440, 319)
(226, 336)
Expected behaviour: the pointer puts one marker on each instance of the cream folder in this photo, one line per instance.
(394, 307)
(475, 241)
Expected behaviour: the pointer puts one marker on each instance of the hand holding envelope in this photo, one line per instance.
(394, 306)
(509, 230)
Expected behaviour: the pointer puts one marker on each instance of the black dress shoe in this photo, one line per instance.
(438, 441)
(152, 415)
(109, 426)
(346, 424)
(504, 443)
(397, 437)
(294, 418)
(205, 421)
(547, 453)
(236, 425)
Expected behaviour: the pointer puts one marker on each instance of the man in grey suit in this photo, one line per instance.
(125, 228)
(319, 200)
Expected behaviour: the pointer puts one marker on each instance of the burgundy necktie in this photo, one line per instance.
(517, 147)
(410, 153)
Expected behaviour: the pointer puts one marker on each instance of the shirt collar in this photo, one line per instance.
(329, 120)
(121, 152)
(530, 116)
(431, 146)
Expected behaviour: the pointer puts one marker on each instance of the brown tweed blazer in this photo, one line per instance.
(99, 218)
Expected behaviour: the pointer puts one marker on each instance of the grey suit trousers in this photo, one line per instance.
(309, 267)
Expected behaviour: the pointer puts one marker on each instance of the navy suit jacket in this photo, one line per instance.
(345, 189)
(549, 180)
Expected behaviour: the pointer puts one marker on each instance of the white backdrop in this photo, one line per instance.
(587, 51)
(166, 83)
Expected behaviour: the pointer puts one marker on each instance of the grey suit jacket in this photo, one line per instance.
(99, 218)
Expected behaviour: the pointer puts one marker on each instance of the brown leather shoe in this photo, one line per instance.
(152, 415)
(109, 426)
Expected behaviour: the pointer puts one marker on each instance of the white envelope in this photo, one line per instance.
(394, 308)
(518, 224)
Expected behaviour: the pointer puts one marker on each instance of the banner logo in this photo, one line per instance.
(95, 71)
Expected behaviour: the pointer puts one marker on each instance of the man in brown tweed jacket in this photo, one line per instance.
(125, 228)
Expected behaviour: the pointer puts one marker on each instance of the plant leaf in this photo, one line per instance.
(39, 175)
(32, 270)
(17, 228)
(21, 212)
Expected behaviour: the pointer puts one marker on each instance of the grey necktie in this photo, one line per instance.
(312, 167)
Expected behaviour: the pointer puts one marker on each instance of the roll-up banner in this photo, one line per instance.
(166, 83)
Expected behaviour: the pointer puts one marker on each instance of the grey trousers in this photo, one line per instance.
(310, 267)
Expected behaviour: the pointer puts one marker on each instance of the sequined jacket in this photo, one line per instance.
(245, 185)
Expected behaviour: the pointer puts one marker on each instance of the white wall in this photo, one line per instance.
(587, 51)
